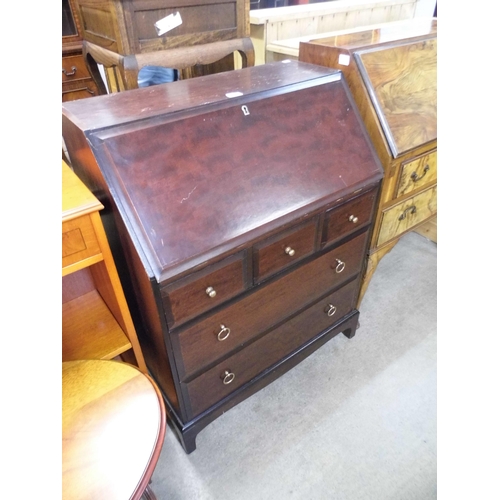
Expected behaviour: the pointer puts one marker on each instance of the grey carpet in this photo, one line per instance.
(356, 420)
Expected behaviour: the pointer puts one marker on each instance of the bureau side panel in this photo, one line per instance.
(151, 325)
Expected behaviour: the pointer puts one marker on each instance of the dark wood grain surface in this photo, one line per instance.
(209, 387)
(114, 109)
(268, 306)
(209, 179)
(235, 173)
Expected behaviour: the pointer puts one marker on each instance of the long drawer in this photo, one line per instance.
(407, 214)
(210, 339)
(240, 368)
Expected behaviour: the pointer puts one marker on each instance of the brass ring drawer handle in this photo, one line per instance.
(330, 310)
(211, 292)
(340, 266)
(412, 210)
(353, 219)
(415, 178)
(227, 377)
(290, 251)
(224, 333)
(73, 71)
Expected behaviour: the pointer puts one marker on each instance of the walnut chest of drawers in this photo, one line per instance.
(391, 72)
(241, 205)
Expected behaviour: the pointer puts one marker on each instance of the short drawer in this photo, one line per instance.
(203, 290)
(417, 173)
(74, 68)
(347, 218)
(235, 371)
(285, 249)
(407, 214)
(216, 336)
(79, 241)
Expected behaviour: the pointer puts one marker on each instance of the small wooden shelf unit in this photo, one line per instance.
(96, 322)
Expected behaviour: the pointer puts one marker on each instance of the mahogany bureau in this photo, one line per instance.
(241, 207)
(391, 72)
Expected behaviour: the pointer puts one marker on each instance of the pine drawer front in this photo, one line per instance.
(216, 336)
(240, 368)
(79, 241)
(417, 173)
(74, 68)
(203, 290)
(407, 214)
(349, 217)
(284, 250)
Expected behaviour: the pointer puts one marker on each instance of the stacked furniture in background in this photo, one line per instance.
(121, 35)
(391, 72)
(77, 83)
(269, 26)
(244, 204)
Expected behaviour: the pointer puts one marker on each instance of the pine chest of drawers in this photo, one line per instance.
(391, 71)
(239, 206)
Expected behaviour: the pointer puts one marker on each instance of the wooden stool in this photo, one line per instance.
(113, 427)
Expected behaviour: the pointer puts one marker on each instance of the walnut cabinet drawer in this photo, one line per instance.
(220, 333)
(74, 68)
(79, 241)
(407, 214)
(417, 173)
(285, 249)
(203, 290)
(240, 368)
(349, 217)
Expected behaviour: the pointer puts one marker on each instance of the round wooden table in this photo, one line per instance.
(113, 427)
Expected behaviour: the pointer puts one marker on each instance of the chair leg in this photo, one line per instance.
(148, 494)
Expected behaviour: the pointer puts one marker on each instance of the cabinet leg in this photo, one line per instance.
(349, 333)
(187, 438)
(188, 441)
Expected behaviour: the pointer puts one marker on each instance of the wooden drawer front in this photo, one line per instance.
(80, 89)
(285, 249)
(341, 221)
(417, 173)
(267, 307)
(404, 216)
(79, 241)
(74, 68)
(209, 387)
(203, 290)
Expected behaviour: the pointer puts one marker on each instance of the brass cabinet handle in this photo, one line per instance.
(227, 377)
(414, 176)
(340, 266)
(412, 210)
(330, 310)
(89, 91)
(211, 292)
(73, 71)
(290, 251)
(224, 333)
(353, 219)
